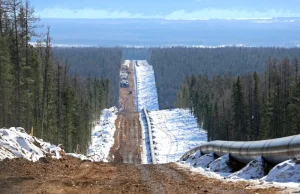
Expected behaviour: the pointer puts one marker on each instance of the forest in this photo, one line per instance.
(172, 65)
(38, 90)
(94, 62)
(249, 106)
(136, 53)
(100, 62)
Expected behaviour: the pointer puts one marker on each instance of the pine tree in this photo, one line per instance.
(239, 111)
(45, 78)
(256, 105)
(6, 79)
(294, 108)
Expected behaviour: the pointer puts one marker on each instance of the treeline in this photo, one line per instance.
(94, 62)
(37, 90)
(101, 62)
(136, 53)
(172, 65)
(251, 106)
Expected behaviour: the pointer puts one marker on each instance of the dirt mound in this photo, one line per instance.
(71, 175)
(22, 167)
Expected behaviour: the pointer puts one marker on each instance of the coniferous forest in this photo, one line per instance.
(40, 91)
(172, 65)
(250, 106)
(94, 62)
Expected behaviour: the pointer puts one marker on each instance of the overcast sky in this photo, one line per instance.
(167, 9)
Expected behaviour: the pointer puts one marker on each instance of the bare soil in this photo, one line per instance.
(70, 175)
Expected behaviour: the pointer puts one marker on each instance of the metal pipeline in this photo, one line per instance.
(150, 136)
(273, 151)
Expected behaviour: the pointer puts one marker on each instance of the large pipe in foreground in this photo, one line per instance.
(274, 151)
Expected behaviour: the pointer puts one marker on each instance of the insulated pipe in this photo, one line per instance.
(135, 86)
(274, 151)
(150, 136)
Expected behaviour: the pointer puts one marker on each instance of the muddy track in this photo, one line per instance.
(127, 139)
(127, 147)
(70, 175)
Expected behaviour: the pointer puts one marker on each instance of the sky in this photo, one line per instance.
(167, 9)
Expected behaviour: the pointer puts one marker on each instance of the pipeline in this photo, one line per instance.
(153, 159)
(135, 87)
(150, 136)
(274, 151)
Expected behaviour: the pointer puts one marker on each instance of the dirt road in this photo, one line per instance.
(127, 147)
(70, 175)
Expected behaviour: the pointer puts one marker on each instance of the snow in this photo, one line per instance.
(146, 87)
(79, 156)
(16, 143)
(174, 132)
(220, 165)
(283, 175)
(253, 170)
(126, 63)
(287, 171)
(193, 157)
(103, 136)
(203, 161)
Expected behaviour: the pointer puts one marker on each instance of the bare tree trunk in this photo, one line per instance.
(14, 6)
(66, 141)
(59, 104)
(26, 62)
(37, 114)
(45, 86)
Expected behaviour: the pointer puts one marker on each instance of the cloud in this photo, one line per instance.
(206, 13)
(212, 13)
(90, 13)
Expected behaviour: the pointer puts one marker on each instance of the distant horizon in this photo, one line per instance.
(206, 14)
(273, 18)
(282, 32)
(166, 9)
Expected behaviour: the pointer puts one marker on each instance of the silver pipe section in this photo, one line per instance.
(150, 136)
(273, 151)
(135, 87)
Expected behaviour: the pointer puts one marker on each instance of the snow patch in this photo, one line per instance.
(287, 171)
(103, 136)
(126, 63)
(203, 161)
(16, 143)
(283, 175)
(79, 156)
(254, 170)
(174, 132)
(146, 87)
(221, 164)
(193, 157)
